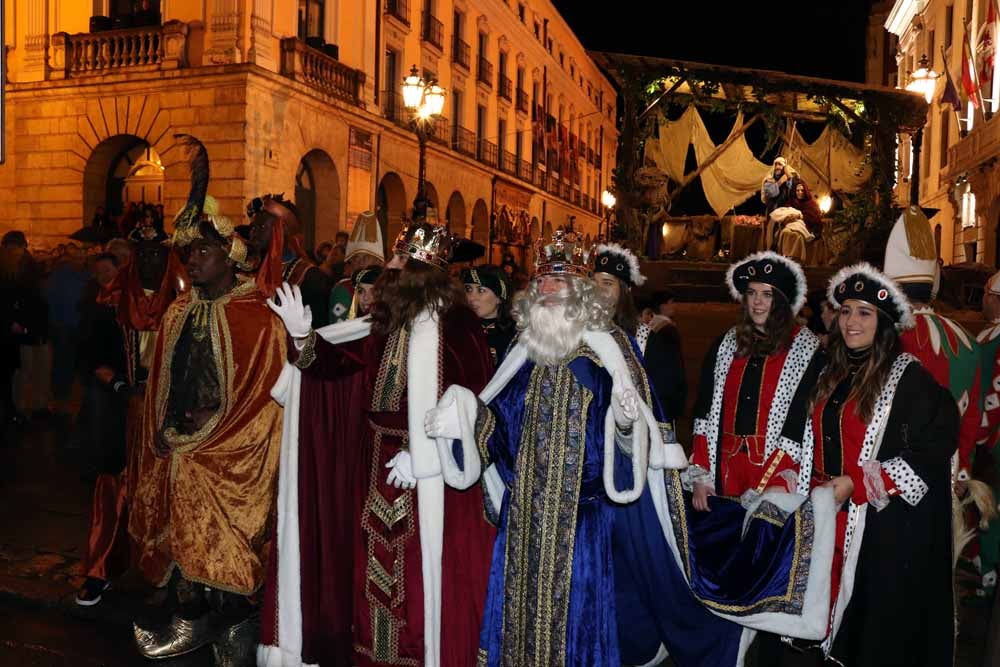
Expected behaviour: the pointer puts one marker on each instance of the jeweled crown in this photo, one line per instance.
(427, 243)
(565, 254)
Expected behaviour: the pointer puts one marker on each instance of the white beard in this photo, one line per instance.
(550, 336)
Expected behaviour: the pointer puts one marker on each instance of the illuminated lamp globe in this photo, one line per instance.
(413, 89)
(923, 80)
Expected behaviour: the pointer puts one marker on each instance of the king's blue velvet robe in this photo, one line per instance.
(551, 598)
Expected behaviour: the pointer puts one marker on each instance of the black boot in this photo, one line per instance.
(237, 647)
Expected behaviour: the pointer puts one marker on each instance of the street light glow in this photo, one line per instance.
(413, 89)
(923, 80)
(608, 199)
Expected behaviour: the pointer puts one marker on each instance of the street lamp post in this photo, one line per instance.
(608, 201)
(425, 100)
(923, 81)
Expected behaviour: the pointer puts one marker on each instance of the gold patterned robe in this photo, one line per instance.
(205, 507)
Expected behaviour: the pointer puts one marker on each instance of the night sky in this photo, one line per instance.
(824, 38)
(821, 38)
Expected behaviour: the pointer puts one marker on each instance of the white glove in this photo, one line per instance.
(287, 304)
(401, 471)
(442, 422)
(624, 403)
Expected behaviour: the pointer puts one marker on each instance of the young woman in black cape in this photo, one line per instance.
(882, 433)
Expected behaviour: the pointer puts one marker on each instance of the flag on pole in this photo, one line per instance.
(986, 48)
(950, 93)
(969, 79)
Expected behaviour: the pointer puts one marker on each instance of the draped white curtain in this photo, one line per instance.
(829, 163)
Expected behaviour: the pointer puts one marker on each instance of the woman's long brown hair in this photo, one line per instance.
(777, 332)
(871, 377)
(400, 295)
(626, 314)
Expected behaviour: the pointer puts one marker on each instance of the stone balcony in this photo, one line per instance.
(328, 75)
(979, 145)
(115, 51)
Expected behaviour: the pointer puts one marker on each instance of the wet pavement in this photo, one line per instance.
(46, 503)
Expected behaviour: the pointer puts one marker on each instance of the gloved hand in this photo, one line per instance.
(624, 403)
(401, 471)
(287, 304)
(442, 422)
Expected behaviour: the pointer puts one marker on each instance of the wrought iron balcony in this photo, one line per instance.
(484, 73)
(398, 9)
(522, 101)
(463, 140)
(504, 88)
(509, 162)
(460, 53)
(487, 152)
(432, 30)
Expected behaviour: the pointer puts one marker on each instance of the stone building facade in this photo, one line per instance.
(957, 173)
(302, 97)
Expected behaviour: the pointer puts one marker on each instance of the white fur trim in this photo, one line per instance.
(642, 337)
(800, 277)
(911, 486)
(906, 320)
(790, 447)
(633, 262)
(857, 514)
(286, 391)
(796, 362)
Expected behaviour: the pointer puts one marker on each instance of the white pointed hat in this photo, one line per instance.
(911, 253)
(366, 238)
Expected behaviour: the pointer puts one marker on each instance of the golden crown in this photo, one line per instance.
(564, 255)
(428, 243)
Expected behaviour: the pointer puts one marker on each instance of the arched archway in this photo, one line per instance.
(433, 201)
(390, 205)
(121, 169)
(317, 197)
(454, 217)
(480, 223)
(534, 229)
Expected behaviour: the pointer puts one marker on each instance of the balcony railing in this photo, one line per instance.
(146, 48)
(440, 130)
(487, 153)
(484, 73)
(522, 101)
(460, 53)
(524, 170)
(398, 9)
(432, 31)
(508, 162)
(504, 88)
(463, 140)
(305, 64)
(394, 109)
(539, 179)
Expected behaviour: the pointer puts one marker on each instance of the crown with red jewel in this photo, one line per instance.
(565, 254)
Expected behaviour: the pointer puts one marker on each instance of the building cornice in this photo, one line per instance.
(902, 15)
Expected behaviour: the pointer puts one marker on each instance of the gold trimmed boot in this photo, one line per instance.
(177, 637)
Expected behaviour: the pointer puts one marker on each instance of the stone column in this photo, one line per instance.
(262, 50)
(36, 40)
(225, 25)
